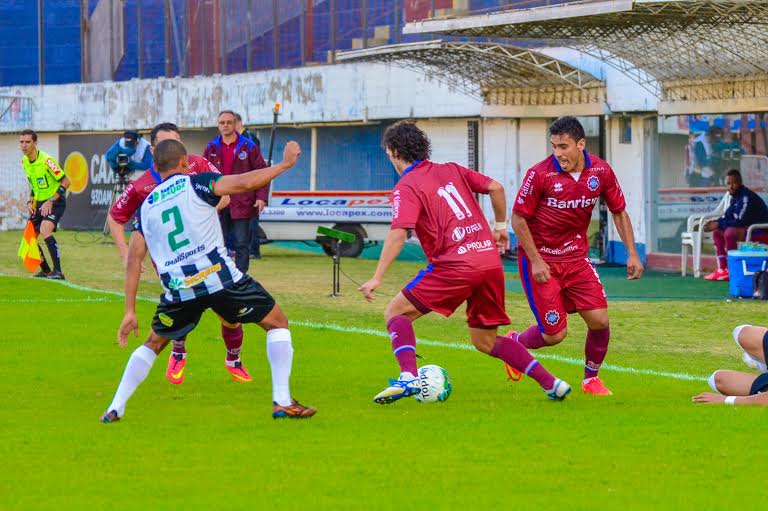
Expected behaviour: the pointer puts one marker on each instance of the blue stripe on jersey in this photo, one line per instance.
(587, 162)
(411, 167)
(224, 274)
(528, 291)
(166, 280)
(200, 288)
(418, 277)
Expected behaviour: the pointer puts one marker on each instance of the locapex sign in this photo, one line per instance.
(93, 183)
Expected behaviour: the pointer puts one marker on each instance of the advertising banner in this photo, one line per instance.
(93, 182)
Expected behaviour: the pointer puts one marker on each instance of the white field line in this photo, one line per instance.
(380, 333)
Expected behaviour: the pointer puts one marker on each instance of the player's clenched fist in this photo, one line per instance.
(291, 152)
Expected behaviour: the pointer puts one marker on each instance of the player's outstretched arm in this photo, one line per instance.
(255, 179)
(137, 250)
(392, 247)
(712, 398)
(624, 227)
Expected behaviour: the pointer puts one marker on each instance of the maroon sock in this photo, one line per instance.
(594, 350)
(515, 354)
(532, 338)
(179, 346)
(233, 338)
(403, 343)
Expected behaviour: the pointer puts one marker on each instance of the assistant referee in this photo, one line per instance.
(46, 199)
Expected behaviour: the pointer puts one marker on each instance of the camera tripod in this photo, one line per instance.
(117, 191)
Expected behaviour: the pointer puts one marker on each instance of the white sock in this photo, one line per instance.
(136, 371)
(280, 355)
(711, 381)
(231, 363)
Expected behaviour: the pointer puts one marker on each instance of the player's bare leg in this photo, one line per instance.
(732, 383)
(400, 315)
(280, 355)
(595, 349)
(136, 371)
(514, 354)
(751, 340)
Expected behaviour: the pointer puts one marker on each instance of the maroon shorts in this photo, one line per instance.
(443, 289)
(573, 286)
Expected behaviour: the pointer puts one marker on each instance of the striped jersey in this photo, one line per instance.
(181, 227)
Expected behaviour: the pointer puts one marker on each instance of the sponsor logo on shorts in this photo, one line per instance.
(593, 183)
(165, 319)
(244, 311)
(552, 317)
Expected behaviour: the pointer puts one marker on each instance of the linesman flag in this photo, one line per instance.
(29, 251)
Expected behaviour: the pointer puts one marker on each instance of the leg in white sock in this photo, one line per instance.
(280, 355)
(136, 371)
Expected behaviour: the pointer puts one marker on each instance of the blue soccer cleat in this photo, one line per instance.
(559, 390)
(404, 386)
(109, 417)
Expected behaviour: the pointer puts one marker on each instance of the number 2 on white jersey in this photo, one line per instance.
(452, 196)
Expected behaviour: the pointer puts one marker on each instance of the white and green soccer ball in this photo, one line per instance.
(434, 384)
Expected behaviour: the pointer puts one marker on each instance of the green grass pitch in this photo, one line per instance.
(211, 443)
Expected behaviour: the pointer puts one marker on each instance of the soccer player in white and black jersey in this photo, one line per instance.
(178, 224)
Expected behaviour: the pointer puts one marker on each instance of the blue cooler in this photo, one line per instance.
(742, 266)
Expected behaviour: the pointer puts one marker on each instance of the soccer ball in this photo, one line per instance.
(435, 384)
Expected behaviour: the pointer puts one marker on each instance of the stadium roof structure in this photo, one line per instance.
(686, 52)
(500, 74)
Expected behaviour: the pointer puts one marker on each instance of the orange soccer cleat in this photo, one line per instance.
(295, 410)
(238, 372)
(513, 373)
(596, 387)
(175, 371)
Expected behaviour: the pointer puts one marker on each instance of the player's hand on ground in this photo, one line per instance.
(259, 205)
(540, 270)
(501, 238)
(368, 288)
(708, 397)
(291, 152)
(45, 209)
(129, 324)
(634, 268)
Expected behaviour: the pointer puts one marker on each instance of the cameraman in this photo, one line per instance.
(129, 154)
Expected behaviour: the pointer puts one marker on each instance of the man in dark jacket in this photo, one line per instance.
(746, 208)
(232, 153)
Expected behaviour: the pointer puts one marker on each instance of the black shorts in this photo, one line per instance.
(245, 302)
(760, 384)
(56, 212)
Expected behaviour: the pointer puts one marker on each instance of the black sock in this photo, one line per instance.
(44, 264)
(53, 249)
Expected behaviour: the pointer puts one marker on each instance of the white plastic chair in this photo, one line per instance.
(694, 236)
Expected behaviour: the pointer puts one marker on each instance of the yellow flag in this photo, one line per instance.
(29, 251)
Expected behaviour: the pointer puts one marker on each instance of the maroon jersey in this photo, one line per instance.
(558, 207)
(136, 191)
(437, 201)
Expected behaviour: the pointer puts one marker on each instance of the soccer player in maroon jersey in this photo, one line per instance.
(437, 201)
(125, 208)
(550, 218)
